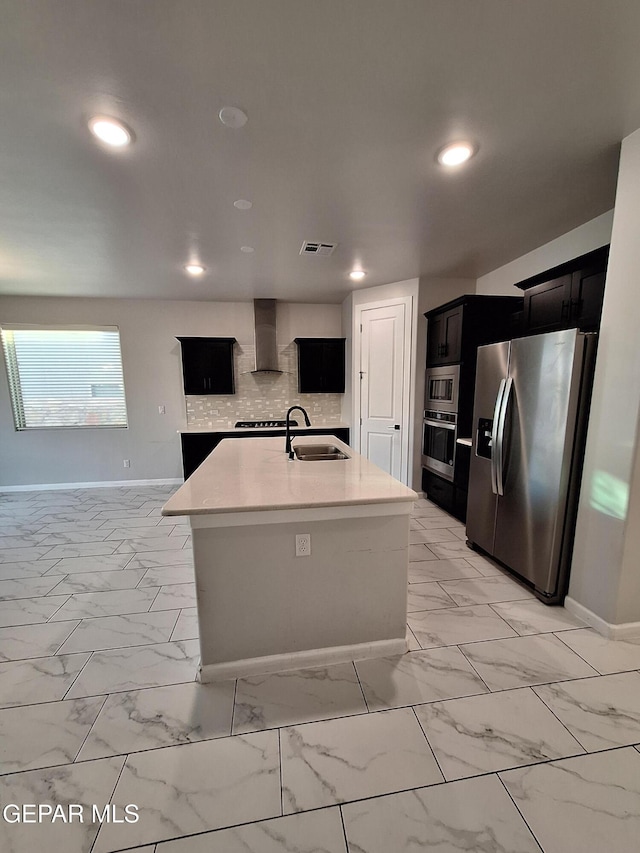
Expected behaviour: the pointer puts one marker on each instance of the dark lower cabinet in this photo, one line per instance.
(196, 446)
(449, 496)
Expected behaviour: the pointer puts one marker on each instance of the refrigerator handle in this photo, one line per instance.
(494, 437)
(502, 418)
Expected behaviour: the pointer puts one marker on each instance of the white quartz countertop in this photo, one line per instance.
(248, 430)
(257, 475)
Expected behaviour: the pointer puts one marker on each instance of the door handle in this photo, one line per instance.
(395, 426)
(500, 448)
(494, 436)
(438, 424)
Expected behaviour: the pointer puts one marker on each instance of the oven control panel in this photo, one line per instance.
(445, 417)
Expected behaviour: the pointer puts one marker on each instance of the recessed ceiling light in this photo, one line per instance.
(356, 275)
(110, 131)
(456, 153)
(243, 204)
(232, 117)
(248, 250)
(194, 269)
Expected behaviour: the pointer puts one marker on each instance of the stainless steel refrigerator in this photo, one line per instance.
(530, 415)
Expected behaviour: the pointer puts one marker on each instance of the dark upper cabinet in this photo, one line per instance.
(567, 297)
(445, 337)
(321, 365)
(207, 365)
(457, 329)
(587, 296)
(546, 306)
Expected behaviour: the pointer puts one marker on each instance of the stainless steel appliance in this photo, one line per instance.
(442, 385)
(439, 428)
(263, 424)
(439, 433)
(530, 413)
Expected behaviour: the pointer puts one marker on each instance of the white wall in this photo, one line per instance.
(152, 374)
(585, 238)
(605, 576)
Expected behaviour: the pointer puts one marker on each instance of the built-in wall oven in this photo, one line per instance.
(439, 430)
(439, 433)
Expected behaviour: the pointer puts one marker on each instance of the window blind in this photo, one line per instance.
(65, 377)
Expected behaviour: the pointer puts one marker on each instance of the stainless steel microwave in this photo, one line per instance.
(441, 388)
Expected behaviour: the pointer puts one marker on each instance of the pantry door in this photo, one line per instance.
(382, 376)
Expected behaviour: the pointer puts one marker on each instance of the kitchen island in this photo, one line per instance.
(260, 607)
(198, 442)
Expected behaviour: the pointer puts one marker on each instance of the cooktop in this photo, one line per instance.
(263, 424)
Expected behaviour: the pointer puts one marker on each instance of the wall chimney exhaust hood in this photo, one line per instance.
(264, 312)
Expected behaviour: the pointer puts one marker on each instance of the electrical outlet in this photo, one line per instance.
(126, 463)
(161, 410)
(303, 545)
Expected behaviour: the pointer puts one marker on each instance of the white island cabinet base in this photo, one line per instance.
(260, 608)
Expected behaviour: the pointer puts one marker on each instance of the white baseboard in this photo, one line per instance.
(300, 660)
(106, 484)
(611, 631)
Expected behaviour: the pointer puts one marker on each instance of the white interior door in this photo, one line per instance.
(383, 420)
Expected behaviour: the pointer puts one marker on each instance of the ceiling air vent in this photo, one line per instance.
(323, 249)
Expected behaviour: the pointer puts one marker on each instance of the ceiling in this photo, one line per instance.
(348, 101)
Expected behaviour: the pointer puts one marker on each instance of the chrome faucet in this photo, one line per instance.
(287, 446)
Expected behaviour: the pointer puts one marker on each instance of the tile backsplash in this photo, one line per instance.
(262, 396)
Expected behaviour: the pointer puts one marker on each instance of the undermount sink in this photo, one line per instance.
(318, 452)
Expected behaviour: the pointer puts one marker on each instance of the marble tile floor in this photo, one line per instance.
(508, 726)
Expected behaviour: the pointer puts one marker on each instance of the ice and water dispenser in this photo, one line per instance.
(483, 441)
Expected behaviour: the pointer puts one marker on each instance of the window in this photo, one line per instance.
(69, 377)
